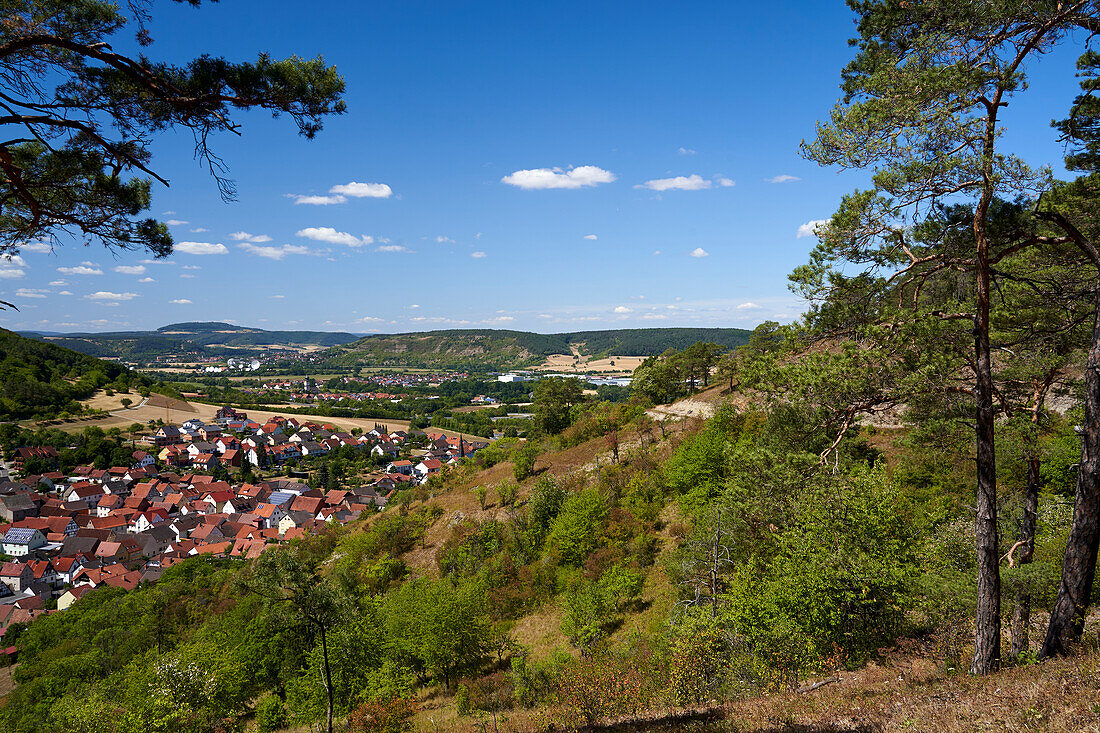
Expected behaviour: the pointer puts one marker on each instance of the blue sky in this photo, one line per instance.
(539, 166)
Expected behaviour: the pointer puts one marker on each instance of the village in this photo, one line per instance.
(66, 534)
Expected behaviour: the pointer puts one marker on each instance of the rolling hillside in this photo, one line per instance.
(497, 349)
(461, 348)
(200, 339)
(41, 379)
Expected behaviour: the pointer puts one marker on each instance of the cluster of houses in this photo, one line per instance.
(64, 535)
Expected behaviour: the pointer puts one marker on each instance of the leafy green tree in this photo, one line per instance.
(289, 578)
(554, 400)
(523, 460)
(576, 530)
(81, 118)
(441, 628)
(922, 107)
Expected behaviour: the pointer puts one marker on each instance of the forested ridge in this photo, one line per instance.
(44, 380)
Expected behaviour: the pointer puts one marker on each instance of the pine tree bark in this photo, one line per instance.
(987, 622)
(1067, 619)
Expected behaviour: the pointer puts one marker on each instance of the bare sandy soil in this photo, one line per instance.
(161, 408)
(575, 362)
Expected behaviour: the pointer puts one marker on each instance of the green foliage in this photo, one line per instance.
(592, 607)
(270, 714)
(523, 460)
(99, 111)
(41, 380)
(554, 401)
(576, 531)
(437, 628)
(836, 580)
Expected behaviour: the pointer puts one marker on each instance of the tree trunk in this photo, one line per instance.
(327, 676)
(1079, 565)
(987, 622)
(1022, 617)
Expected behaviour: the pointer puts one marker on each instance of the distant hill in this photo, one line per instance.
(451, 349)
(40, 379)
(498, 349)
(197, 338)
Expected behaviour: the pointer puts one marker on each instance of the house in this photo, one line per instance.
(73, 595)
(22, 455)
(270, 515)
(146, 520)
(16, 576)
(166, 435)
(403, 467)
(66, 566)
(385, 448)
(89, 494)
(143, 459)
(206, 461)
(231, 457)
(21, 541)
(428, 467)
(15, 507)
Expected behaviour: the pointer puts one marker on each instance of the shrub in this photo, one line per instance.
(270, 714)
(392, 716)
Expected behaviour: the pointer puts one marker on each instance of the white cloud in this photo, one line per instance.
(656, 252)
(11, 260)
(275, 252)
(694, 182)
(339, 194)
(246, 237)
(130, 269)
(686, 151)
(330, 235)
(623, 309)
(202, 248)
(318, 200)
(370, 319)
(31, 293)
(654, 317)
(278, 297)
(478, 255)
(192, 267)
(593, 237)
(58, 283)
(392, 248)
(543, 178)
(40, 247)
(782, 178)
(725, 182)
(699, 252)
(7, 273)
(199, 230)
(180, 301)
(363, 190)
(146, 280)
(83, 269)
(158, 262)
(747, 306)
(176, 222)
(443, 240)
(810, 228)
(106, 295)
(414, 305)
(64, 292)
(187, 276)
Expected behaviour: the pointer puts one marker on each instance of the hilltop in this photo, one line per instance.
(447, 349)
(43, 379)
(197, 338)
(502, 349)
